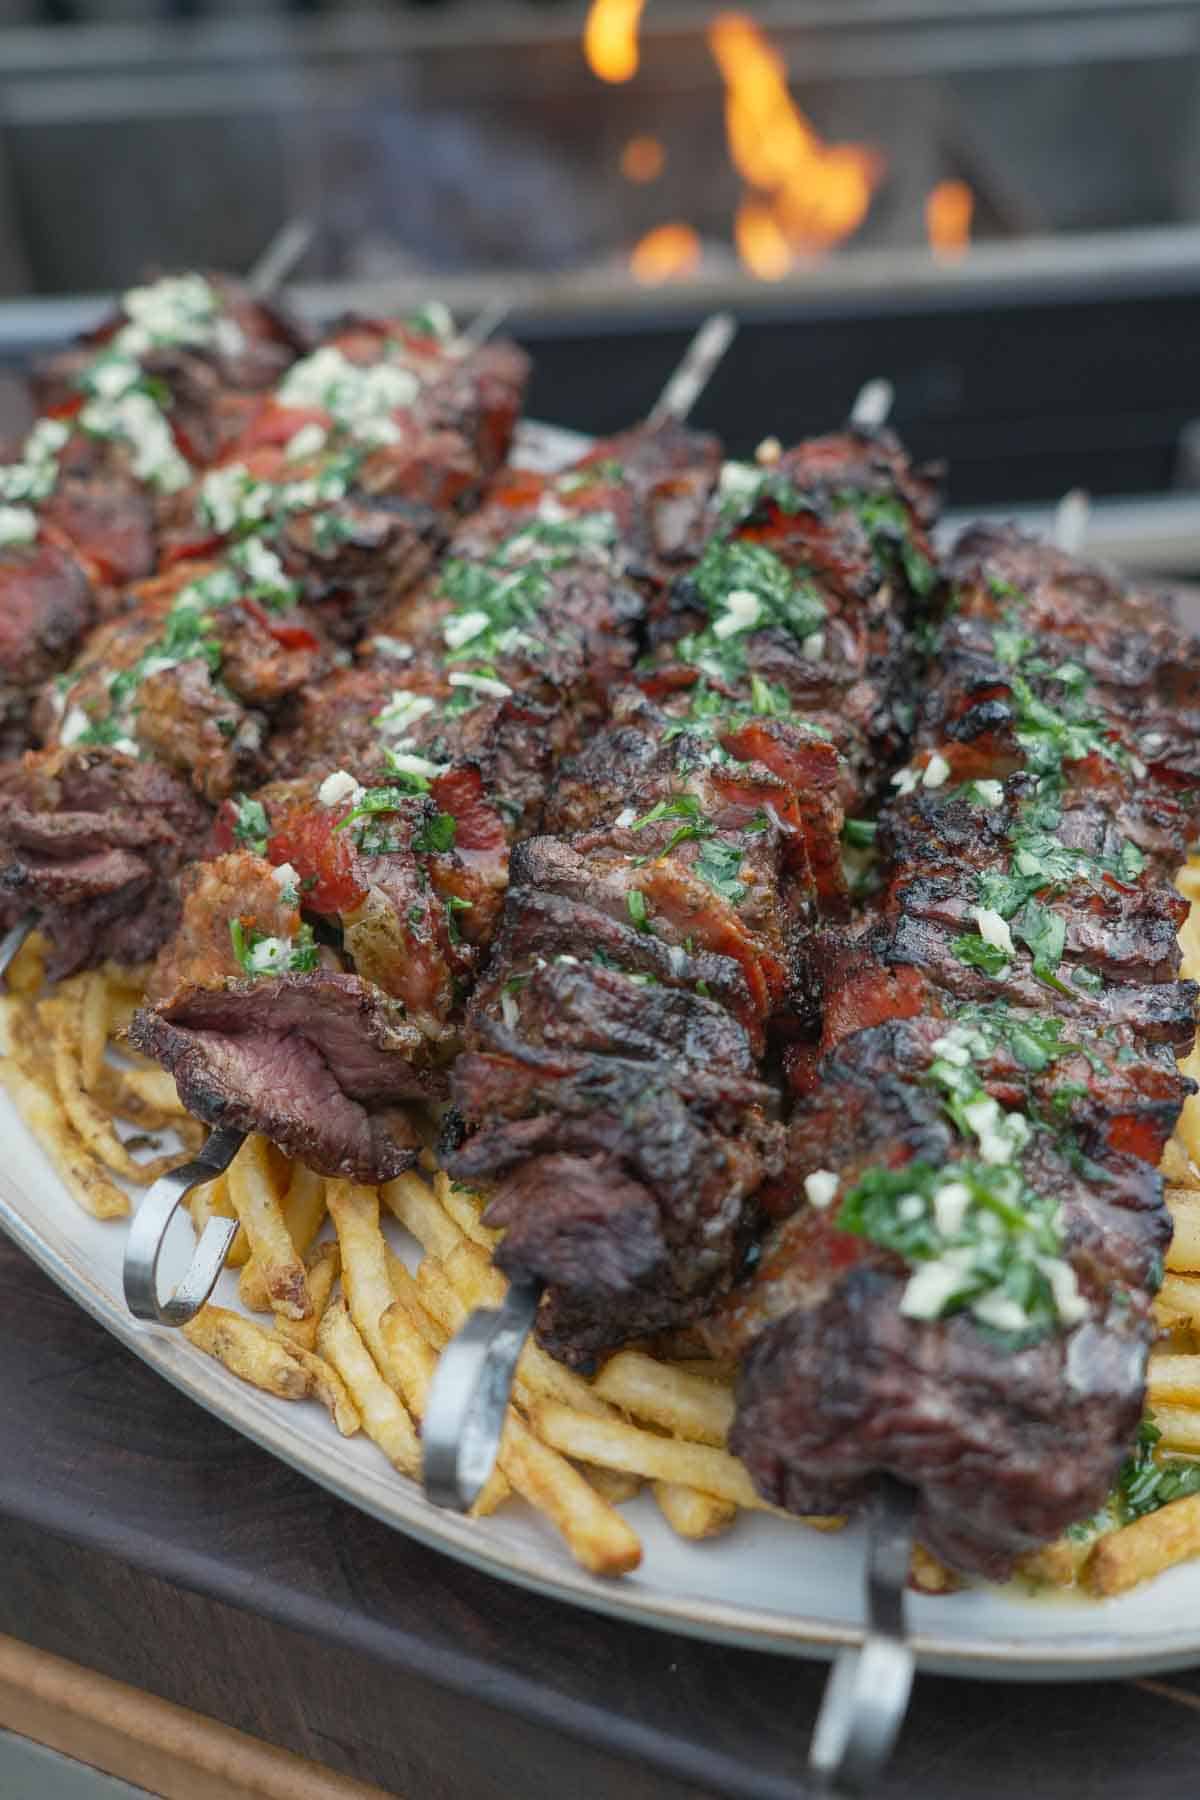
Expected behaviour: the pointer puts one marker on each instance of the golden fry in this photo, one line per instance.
(93, 1028)
(304, 1206)
(1184, 1251)
(613, 1485)
(411, 1200)
(1056, 1564)
(365, 1282)
(249, 1352)
(1179, 1300)
(1180, 1427)
(616, 1445)
(464, 1208)
(323, 1265)
(329, 1388)
(90, 1121)
(691, 1513)
(1147, 1547)
(929, 1574)
(383, 1418)
(596, 1534)
(274, 1277)
(686, 1405)
(1174, 1381)
(88, 1183)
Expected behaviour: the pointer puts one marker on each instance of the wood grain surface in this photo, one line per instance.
(147, 1540)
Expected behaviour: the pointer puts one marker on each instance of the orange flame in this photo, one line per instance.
(610, 40)
(665, 254)
(818, 193)
(761, 241)
(643, 159)
(949, 209)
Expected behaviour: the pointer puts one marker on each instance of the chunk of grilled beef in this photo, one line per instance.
(1141, 663)
(197, 706)
(1005, 1450)
(837, 1384)
(92, 841)
(665, 1156)
(203, 378)
(320, 1062)
(46, 606)
(1112, 1089)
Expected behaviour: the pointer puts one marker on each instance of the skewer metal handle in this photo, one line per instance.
(468, 1398)
(143, 1246)
(866, 1696)
(694, 373)
(873, 404)
(11, 942)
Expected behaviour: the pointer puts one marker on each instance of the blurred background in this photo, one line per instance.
(994, 203)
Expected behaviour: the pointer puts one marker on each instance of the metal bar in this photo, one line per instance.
(147, 1233)
(468, 1398)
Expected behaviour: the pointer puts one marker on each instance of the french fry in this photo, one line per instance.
(383, 1418)
(93, 1027)
(685, 1405)
(412, 1201)
(1174, 1381)
(323, 1265)
(329, 1388)
(1184, 1251)
(928, 1574)
(249, 1352)
(464, 1210)
(88, 1183)
(212, 1202)
(616, 1445)
(1176, 1165)
(92, 1126)
(1147, 1547)
(1179, 1300)
(365, 1281)
(596, 1534)
(1180, 1427)
(274, 1276)
(613, 1485)
(691, 1513)
(1056, 1564)
(304, 1206)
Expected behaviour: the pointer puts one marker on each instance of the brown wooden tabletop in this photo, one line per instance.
(147, 1540)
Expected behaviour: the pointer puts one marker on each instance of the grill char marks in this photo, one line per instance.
(653, 933)
(1046, 675)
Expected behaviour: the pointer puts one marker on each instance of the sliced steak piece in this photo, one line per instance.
(93, 841)
(317, 1062)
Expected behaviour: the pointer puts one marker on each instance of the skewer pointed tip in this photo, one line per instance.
(873, 404)
(696, 370)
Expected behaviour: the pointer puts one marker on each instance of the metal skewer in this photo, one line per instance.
(147, 1233)
(872, 404)
(274, 264)
(12, 941)
(866, 1696)
(696, 370)
(1071, 521)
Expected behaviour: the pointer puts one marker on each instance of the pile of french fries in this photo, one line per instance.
(330, 1312)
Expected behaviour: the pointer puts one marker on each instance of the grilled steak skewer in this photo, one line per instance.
(195, 673)
(403, 782)
(616, 1044)
(128, 415)
(991, 1092)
